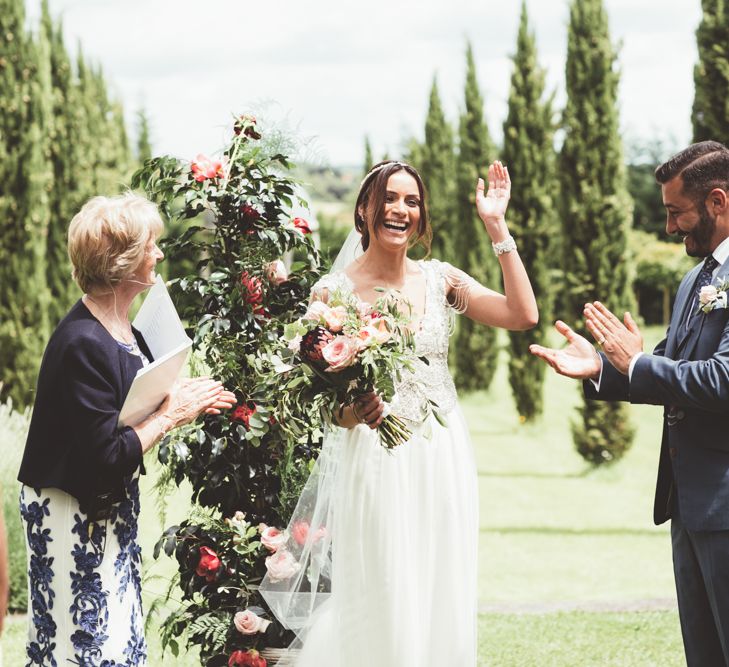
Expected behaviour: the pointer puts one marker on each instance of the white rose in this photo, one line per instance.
(249, 623)
(238, 520)
(295, 343)
(276, 272)
(273, 538)
(707, 294)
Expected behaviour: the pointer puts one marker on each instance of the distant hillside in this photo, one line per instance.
(332, 192)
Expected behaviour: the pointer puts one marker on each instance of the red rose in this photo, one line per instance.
(250, 658)
(312, 344)
(243, 413)
(253, 292)
(209, 564)
(248, 216)
(302, 225)
(247, 125)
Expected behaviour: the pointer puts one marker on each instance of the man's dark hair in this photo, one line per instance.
(702, 167)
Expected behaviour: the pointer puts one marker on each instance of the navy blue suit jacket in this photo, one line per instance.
(688, 373)
(74, 443)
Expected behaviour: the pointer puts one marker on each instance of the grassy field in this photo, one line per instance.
(554, 535)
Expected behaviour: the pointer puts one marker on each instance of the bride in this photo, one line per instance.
(386, 573)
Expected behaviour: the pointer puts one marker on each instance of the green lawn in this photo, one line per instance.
(552, 532)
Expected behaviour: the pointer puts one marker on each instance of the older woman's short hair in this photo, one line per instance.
(108, 237)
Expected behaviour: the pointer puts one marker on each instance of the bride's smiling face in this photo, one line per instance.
(401, 216)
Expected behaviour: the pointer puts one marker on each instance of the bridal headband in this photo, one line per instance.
(374, 170)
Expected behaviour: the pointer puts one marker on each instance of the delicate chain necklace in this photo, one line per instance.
(116, 329)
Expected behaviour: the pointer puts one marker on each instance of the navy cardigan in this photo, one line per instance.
(74, 443)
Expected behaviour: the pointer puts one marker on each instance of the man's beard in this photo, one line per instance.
(702, 234)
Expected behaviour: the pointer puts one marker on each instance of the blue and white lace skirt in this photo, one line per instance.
(84, 597)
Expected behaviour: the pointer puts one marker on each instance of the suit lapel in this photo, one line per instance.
(678, 334)
(687, 343)
(687, 339)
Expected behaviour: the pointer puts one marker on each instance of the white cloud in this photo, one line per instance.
(338, 71)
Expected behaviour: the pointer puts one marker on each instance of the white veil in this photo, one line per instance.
(307, 555)
(351, 249)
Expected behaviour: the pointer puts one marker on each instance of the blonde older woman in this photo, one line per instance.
(80, 496)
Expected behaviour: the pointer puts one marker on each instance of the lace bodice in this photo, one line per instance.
(431, 381)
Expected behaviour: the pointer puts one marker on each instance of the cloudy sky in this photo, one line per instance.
(333, 72)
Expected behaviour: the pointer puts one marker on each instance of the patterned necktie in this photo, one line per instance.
(702, 280)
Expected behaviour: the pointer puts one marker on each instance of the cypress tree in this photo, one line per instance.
(368, 159)
(529, 154)
(64, 196)
(710, 113)
(104, 141)
(25, 183)
(596, 206)
(62, 141)
(474, 352)
(144, 143)
(437, 169)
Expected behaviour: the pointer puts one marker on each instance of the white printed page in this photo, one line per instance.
(159, 322)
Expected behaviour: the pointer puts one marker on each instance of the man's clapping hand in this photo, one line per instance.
(620, 341)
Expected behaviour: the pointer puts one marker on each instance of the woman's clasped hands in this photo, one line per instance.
(190, 397)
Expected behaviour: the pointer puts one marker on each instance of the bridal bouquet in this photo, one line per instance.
(344, 348)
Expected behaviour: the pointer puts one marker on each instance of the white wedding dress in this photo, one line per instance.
(393, 535)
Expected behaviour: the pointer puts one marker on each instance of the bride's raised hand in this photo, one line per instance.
(492, 206)
(577, 360)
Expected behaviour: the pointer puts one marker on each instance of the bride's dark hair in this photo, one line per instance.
(371, 200)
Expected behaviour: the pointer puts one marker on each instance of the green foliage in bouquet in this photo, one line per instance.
(340, 350)
(245, 468)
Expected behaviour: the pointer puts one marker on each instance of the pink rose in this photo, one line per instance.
(335, 317)
(380, 324)
(340, 353)
(372, 335)
(281, 565)
(364, 309)
(276, 272)
(316, 311)
(300, 532)
(249, 623)
(204, 168)
(272, 538)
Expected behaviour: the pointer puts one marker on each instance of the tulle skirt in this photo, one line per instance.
(404, 559)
